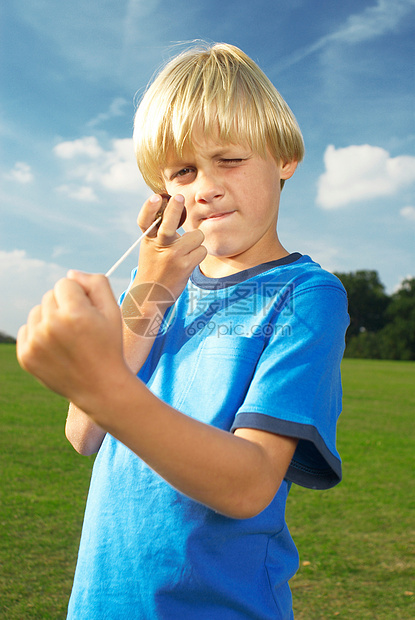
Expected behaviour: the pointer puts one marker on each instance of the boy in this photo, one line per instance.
(237, 344)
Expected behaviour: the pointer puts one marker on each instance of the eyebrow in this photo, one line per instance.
(214, 154)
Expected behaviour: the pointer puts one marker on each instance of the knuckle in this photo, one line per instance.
(61, 282)
(48, 331)
(175, 252)
(166, 235)
(34, 312)
(46, 297)
(99, 279)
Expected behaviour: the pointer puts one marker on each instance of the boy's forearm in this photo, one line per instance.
(225, 472)
(139, 318)
(136, 348)
(81, 431)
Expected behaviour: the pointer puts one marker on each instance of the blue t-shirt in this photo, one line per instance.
(259, 349)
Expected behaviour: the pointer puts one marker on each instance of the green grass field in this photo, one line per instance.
(356, 541)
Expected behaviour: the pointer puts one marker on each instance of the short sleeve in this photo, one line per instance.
(296, 389)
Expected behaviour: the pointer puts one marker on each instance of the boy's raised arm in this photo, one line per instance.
(73, 344)
(176, 258)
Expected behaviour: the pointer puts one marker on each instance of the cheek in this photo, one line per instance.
(173, 189)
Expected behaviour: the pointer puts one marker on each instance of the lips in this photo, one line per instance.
(217, 216)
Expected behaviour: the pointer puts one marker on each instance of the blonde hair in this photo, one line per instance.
(222, 89)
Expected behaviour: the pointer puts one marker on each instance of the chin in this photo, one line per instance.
(221, 251)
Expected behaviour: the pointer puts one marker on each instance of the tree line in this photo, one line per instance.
(4, 338)
(381, 326)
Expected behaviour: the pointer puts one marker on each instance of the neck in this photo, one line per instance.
(220, 267)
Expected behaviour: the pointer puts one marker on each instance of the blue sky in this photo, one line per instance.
(71, 74)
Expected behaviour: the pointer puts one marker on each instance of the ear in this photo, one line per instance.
(287, 169)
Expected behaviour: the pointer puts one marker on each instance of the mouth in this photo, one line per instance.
(218, 216)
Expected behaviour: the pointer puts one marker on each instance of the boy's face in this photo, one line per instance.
(232, 195)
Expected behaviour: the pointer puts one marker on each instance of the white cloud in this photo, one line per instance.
(88, 147)
(82, 193)
(21, 172)
(408, 213)
(115, 109)
(59, 250)
(372, 22)
(114, 169)
(364, 172)
(120, 173)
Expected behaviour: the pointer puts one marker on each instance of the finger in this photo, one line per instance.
(160, 212)
(43, 312)
(34, 318)
(21, 345)
(70, 295)
(25, 337)
(92, 288)
(197, 255)
(191, 240)
(172, 219)
(149, 211)
(48, 303)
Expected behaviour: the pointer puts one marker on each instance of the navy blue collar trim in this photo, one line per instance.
(202, 281)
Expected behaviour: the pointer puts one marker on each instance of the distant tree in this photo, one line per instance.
(4, 338)
(365, 345)
(397, 338)
(367, 302)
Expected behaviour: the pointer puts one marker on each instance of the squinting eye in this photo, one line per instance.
(232, 161)
(183, 172)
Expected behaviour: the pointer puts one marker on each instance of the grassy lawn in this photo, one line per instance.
(43, 492)
(356, 541)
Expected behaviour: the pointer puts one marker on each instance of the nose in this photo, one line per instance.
(208, 188)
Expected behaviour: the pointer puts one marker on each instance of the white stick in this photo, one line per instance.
(135, 244)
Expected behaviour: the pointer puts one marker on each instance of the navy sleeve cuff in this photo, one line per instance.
(313, 465)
